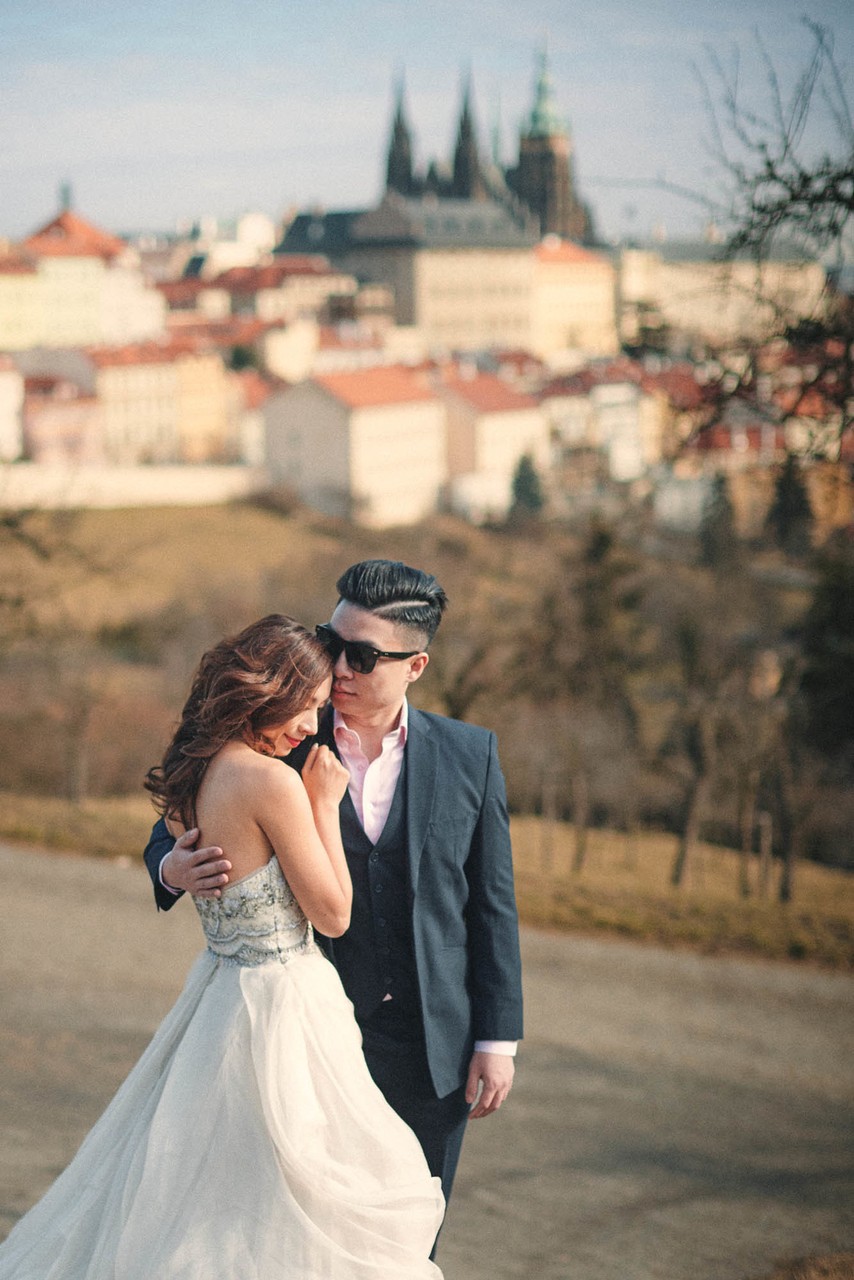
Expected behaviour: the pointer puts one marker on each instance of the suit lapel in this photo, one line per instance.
(325, 733)
(422, 770)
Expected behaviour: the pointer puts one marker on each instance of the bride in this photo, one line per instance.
(249, 1142)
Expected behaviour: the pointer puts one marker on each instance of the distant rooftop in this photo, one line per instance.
(415, 223)
(553, 249)
(272, 275)
(715, 251)
(69, 236)
(370, 388)
(318, 232)
(430, 223)
(488, 393)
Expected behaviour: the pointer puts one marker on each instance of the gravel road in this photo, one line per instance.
(674, 1118)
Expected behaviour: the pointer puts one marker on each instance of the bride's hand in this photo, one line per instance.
(324, 776)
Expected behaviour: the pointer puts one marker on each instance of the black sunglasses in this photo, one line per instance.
(361, 656)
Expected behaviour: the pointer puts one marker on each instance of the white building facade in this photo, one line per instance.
(367, 445)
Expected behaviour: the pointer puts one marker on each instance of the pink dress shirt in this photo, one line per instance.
(371, 786)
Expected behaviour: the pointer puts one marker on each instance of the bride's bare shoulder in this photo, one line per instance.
(236, 764)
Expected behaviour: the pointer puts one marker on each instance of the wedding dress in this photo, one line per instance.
(249, 1142)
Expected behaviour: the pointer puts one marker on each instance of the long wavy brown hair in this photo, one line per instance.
(244, 685)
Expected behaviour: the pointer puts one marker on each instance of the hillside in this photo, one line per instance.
(563, 650)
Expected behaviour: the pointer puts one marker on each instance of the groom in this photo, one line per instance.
(431, 958)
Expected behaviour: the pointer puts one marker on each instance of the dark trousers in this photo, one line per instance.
(399, 1068)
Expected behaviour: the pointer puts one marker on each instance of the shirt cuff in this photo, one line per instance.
(505, 1047)
(175, 892)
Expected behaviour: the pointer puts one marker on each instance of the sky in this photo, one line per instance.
(160, 113)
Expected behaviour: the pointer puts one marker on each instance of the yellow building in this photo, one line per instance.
(292, 287)
(574, 302)
(473, 275)
(461, 271)
(491, 426)
(11, 409)
(71, 284)
(687, 291)
(156, 402)
(205, 427)
(21, 310)
(137, 390)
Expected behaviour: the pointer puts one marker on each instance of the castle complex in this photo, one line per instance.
(540, 187)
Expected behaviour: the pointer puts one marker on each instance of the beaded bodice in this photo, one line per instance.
(257, 920)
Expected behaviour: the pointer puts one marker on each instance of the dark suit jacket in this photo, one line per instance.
(463, 906)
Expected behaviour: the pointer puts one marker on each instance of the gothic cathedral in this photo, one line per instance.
(540, 187)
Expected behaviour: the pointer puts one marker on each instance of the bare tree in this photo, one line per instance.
(787, 163)
(780, 183)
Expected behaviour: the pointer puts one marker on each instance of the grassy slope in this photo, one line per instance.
(146, 560)
(622, 890)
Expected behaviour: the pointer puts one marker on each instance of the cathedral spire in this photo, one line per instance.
(468, 178)
(496, 140)
(545, 122)
(544, 179)
(399, 161)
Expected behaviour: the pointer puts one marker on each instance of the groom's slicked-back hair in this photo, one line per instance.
(393, 590)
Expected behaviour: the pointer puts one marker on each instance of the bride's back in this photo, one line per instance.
(230, 806)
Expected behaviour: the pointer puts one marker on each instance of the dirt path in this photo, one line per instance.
(675, 1118)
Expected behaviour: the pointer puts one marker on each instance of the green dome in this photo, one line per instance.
(545, 121)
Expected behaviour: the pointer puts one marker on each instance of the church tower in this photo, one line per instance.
(399, 176)
(467, 182)
(544, 178)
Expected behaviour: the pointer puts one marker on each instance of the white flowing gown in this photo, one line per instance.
(249, 1142)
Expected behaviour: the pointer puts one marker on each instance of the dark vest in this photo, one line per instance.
(376, 956)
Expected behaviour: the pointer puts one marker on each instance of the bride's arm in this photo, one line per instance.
(299, 816)
(325, 781)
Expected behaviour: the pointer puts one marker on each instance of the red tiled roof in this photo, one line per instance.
(180, 292)
(255, 388)
(133, 353)
(173, 348)
(518, 359)
(678, 383)
(488, 393)
(42, 387)
(234, 331)
(15, 263)
(381, 385)
(68, 236)
(553, 249)
(41, 384)
(620, 369)
(680, 386)
(572, 384)
(805, 402)
(273, 275)
(753, 437)
(331, 338)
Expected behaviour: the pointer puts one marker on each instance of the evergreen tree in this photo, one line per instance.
(828, 648)
(718, 539)
(528, 499)
(790, 517)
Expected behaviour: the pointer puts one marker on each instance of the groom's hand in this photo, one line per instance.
(201, 872)
(490, 1076)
